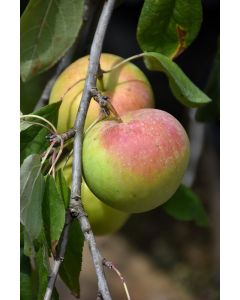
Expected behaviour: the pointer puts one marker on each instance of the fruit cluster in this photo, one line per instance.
(132, 165)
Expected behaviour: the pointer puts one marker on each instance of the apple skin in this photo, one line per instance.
(136, 165)
(103, 218)
(127, 87)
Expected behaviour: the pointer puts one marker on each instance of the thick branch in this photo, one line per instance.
(75, 202)
(90, 8)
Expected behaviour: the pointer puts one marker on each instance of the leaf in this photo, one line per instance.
(33, 139)
(186, 206)
(25, 287)
(29, 249)
(182, 87)
(31, 195)
(31, 91)
(26, 292)
(33, 281)
(43, 272)
(71, 266)
(168, 26)
(48, 29)
(211, 112)
(62, 187)
(53, 210)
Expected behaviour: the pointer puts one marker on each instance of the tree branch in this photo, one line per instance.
(64, 62)
(90, 10)
(75, 201)
(60, 256)
(76, 207)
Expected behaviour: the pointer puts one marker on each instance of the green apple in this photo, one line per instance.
(127, 87)
(136, 165)
(103, 218)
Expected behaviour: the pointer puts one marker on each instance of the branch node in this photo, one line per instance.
(99, 296)
(76, 198)
(104, 103)
(74, 212)
(61, 258)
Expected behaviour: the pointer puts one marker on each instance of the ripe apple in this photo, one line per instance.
(136, 165)
(103, 218)
(127, 87)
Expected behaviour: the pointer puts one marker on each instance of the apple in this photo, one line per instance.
(127, 87)
(136, 165)
(103, 218)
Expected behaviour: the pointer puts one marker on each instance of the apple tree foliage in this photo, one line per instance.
(48, 30)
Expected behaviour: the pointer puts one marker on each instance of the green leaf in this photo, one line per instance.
(43, 271)
(211, 112)
(33, 138)
(25, 287)
(53, 210)
(33, 281)
(26, 292)
(168, 26)
(48, 29)
(71, 266)
(29, 249)
(31, 91)
(186, 206)
(182, 87)
(62, 187)
(31, 195)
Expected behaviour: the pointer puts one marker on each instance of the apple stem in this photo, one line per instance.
(71, 87)
(113, 110)
(105, 104)
(100, 78)
(124, 62)
(101, 117)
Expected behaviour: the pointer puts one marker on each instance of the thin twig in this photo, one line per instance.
(37, 124)
(57, 158)
(46, 154)
(64, 62)
(61, 137)
(54, 130)
(123, 62)
(111, 266)
(59, 259)
(75, 201)
(71, 87)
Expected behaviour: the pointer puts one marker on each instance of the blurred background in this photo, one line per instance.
(162, 258)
